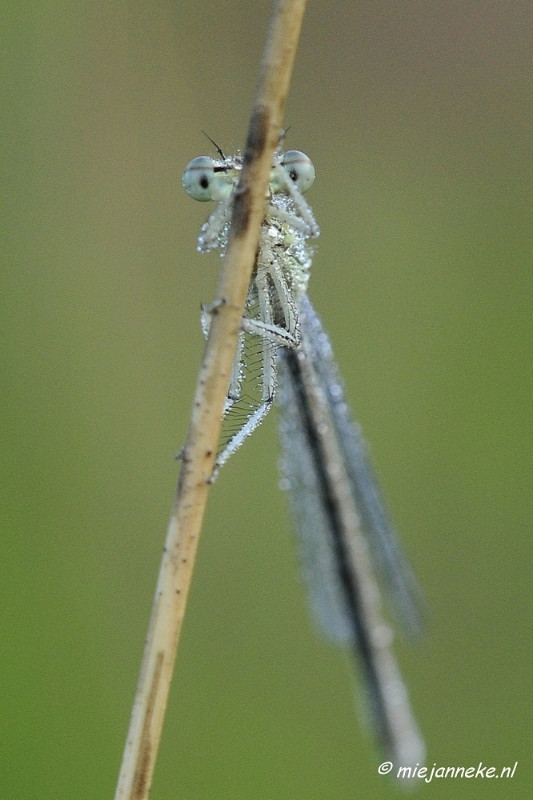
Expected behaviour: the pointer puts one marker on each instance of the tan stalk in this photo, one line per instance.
(200, 449)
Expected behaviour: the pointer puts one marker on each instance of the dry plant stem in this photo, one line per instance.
(200, 449)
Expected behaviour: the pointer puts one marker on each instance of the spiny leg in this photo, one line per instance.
(272, 337)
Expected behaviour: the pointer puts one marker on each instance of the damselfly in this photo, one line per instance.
(344, 529)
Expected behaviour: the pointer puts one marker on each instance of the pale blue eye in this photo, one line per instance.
(299, 168)
(204, 179)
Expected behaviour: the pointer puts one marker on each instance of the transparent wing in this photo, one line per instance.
(404, 594)
(325, 470)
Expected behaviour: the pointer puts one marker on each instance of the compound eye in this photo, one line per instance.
(204, 180)
(198, 178)
(299, 168)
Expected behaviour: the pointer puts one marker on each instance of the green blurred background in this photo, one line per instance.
(418, 117)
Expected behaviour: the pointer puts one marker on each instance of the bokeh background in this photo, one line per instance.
(419, 119)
